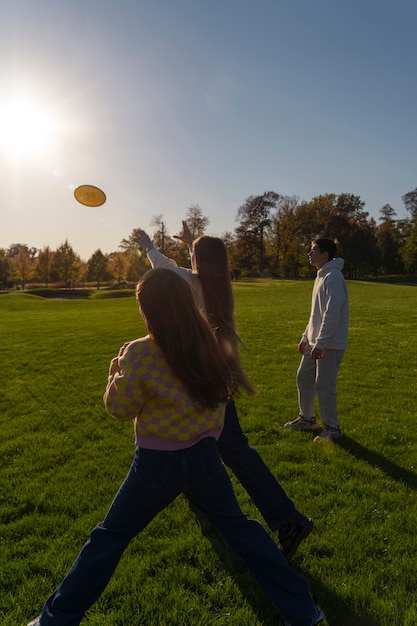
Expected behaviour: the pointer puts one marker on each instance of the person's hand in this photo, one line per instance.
(302, 346)
(141, 238)
(316, 353)
(185, 235)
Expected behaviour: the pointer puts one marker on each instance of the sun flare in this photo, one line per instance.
(25, 127)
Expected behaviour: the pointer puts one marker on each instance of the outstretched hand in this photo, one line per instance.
(185, 235)
(141, 238)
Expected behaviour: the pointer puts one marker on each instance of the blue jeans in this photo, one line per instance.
(154, 480)
(275, 506)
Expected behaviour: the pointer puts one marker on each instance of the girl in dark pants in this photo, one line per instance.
(253, 474)
(174, 383)
(210, 281)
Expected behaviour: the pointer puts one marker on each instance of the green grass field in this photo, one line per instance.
(63, 458)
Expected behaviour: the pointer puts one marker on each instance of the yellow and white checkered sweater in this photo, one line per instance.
(141, 387)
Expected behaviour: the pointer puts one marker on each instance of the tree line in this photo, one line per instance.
(272, 238)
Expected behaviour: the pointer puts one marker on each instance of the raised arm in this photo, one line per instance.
(156, 258)
(185, 235)
(142, 239)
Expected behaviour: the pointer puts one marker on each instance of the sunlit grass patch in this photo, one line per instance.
(63, 459)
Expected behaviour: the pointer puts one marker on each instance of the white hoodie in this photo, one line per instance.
(329, 317)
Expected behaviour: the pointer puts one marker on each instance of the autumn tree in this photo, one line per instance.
(410, 201)
(15, 248)
(388, 242)
(67, 263)
(352, 206)
(97, 268)
(254, 216)
(166, 244)
(356, 242)
(409, 247)
(22, 266)
(315, 214)
(387, 214)
(196, 220)
(341, 217)
(136, 261)
(160, 235)
(229, 241)
(137, 265)
(5, 269)
(308, 222)
(283, 232)
(118, 265)
(44, 265)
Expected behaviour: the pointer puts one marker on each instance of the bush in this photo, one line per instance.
(113, 293)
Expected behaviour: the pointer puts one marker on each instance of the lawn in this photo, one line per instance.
(62, 459)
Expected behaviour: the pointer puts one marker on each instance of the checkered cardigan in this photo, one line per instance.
(141, 387)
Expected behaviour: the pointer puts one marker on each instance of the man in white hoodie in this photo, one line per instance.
(323, 344)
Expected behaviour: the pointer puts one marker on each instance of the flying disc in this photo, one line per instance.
(89, 195)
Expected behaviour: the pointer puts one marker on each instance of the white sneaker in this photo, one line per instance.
(303, 423)
(317, 618)
(36, 621)
(329, 434)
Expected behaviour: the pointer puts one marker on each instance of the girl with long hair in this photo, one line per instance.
(174, 383)
(210, 281)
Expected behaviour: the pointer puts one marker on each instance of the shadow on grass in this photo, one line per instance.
(261, 605)
(378, 461)
(337, 611)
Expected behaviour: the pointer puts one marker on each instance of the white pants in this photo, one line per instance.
(319, 377)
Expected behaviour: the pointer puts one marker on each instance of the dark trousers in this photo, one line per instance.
(275, 506)
(155, 479)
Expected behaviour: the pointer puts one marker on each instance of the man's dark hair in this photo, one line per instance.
(326, 245)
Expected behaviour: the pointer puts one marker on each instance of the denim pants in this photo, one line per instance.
(319, 377)
(275, 506)
(154, 480)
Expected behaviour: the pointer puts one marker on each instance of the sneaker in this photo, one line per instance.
(318, 617)
(36, 621)
(292, 535)
(303, 423)
(329, 434)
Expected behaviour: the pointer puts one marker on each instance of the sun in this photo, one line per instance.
(26, 128)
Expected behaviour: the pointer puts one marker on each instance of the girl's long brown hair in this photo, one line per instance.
(212, 266)
(173, 320)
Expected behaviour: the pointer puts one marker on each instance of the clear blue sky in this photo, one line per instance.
(169, 103)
